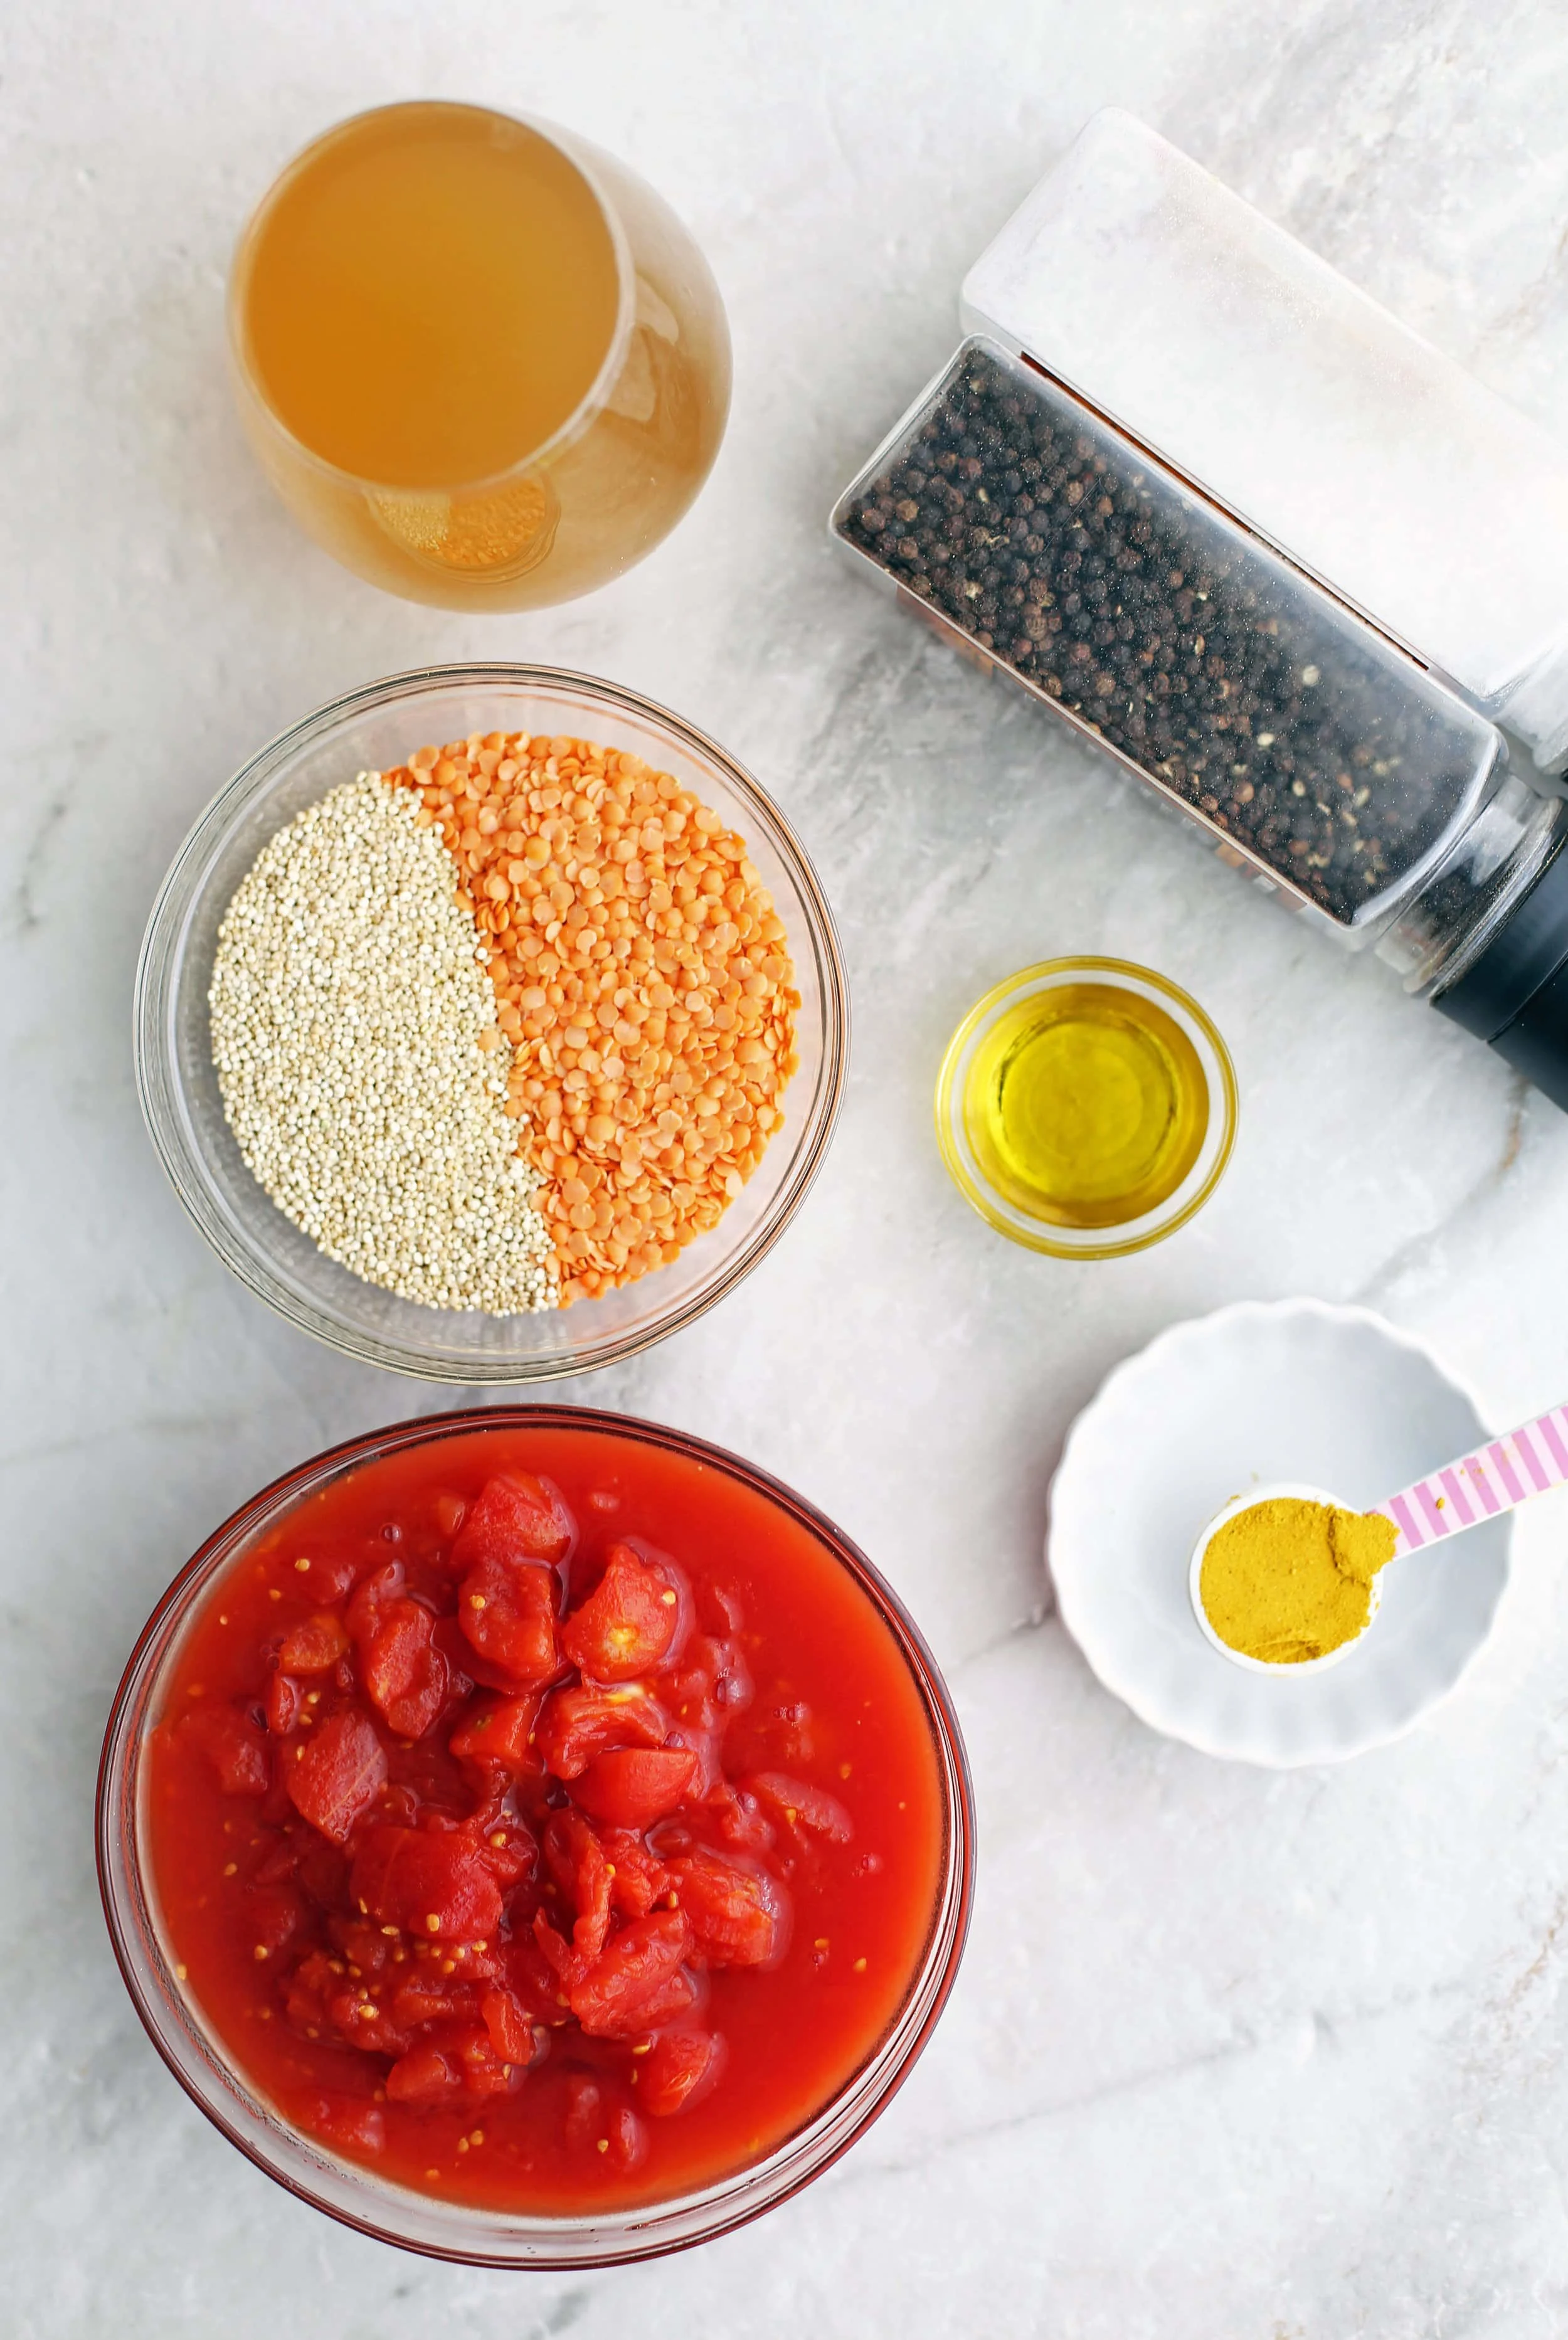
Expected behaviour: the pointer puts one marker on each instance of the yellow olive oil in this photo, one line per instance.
(1087, 1105)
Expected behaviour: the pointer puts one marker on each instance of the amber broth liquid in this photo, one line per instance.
(425, 300)
(431, 296)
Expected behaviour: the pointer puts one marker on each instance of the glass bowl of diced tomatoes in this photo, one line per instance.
(535, 1836)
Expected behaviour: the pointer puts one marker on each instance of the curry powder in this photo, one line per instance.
(1287, 1580)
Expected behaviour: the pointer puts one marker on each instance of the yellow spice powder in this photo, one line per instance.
(1288, 1579)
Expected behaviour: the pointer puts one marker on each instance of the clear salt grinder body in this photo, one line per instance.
(1082, 557)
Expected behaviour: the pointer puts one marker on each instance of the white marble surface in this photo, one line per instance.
(1281, 2059)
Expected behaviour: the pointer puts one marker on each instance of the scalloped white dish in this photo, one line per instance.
(1266, 1390)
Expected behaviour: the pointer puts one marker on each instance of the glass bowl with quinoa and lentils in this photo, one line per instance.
(490, 1024)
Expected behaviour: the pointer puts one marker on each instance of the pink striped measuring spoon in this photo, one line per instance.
(1504, 1472)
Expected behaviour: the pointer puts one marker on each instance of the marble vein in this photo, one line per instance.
(1424, 1251)
(1318, 2027)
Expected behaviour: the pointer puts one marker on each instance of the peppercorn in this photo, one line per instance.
(1105, 586)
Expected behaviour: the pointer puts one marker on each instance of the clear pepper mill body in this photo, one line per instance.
(1285, 562)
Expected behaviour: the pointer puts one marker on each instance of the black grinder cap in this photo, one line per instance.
(1514, 996)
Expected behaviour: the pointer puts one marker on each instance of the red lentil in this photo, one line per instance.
(641, 979)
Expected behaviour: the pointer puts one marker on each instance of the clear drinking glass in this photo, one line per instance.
(596, 495)
(357, 2195)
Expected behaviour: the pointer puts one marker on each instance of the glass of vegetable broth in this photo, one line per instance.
(1086, 1107)
(482, 363)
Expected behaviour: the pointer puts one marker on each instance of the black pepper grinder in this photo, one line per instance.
(1056, 547)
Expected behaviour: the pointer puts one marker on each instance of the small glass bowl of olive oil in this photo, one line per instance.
(1086, 1107)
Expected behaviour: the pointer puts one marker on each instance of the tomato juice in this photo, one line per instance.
(543, 1817)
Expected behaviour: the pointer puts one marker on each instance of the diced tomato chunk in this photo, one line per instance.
(626, 1623)
(506, 2020)
(596, 2125)
(275, 1916)
(715, 1671)
(633, 1787)
(400, 1805)
(635, 1966)
(423, 1997)
(638, 1878)
(507, 1611)
(741, 1819)
(508, 1850)
(320, 1870)
(309, 1986)
(371, 1594)
(531, 1977)
(735, 1915)
(518, 1517)
(413, 1714)
(498, 1732)
(578, 1723)
(719, 1608)
(339, 1774)
(585, 2105)
(360, 2022)
(362, 1944)
(284, 1699)
(484, 2073)
(313, 1646)
(426, 1883)
(392, 1647)
(403, 1674)
(349, 2122)
(800, 1805)
(465, 1666)
(326, 1577)
(280, 1860)
(626, 2139)
(670, 2003)
(578, 1865)
(426, 2075)
(732, 1685)
(567, 1965)
(233, 1747)
(679, 2066)
(427, 1996)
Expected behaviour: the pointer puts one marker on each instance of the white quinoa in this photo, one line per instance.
(348, 998)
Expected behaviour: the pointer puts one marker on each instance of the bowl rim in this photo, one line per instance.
(932, 1980)
(1223, 1110)
(162, 1093)
(1103, 1662)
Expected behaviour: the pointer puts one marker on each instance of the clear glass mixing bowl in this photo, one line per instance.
(375, 728)
(357, 2195)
